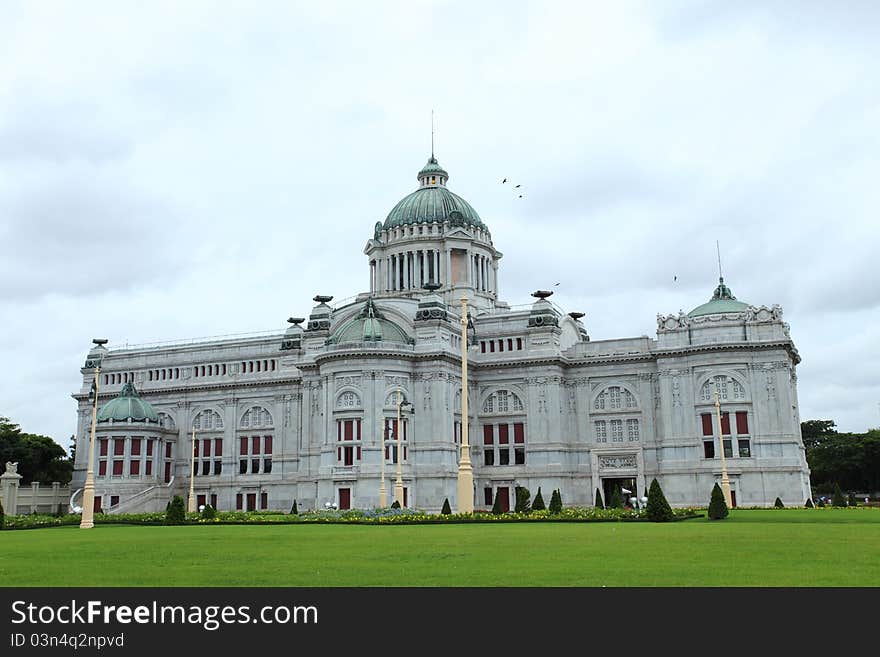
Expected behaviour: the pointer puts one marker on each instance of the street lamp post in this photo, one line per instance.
(398, 484)
(383, 500)
(465, 470)
(87, 521)
(191, 501)
(725, 482)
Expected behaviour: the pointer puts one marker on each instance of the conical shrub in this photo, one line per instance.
(555, 502)
(838, 499)
(599, 503)
(778, 504)
(809, 503)
(496, 506)
(538, 504)
(176, 513)
(522, 500)
(2, 516)
(717, 506)
(616, 501)
(293, 510)
(446, 511)
(658, 508)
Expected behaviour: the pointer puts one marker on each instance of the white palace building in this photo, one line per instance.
(310, 413)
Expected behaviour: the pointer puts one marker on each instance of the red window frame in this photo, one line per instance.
(742, 423)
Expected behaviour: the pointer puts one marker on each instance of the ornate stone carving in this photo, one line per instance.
(342, 381)
(396, 381)
(11, 467)
(618, 461)
(424, 314)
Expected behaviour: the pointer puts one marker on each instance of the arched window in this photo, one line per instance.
(348, 399)
(728, 388)
(207, 419)
(166, 421)
(391, 399)
(256, 417)
(502, 401)
(615, 398)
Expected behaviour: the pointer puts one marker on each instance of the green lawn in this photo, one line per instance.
(790, 547)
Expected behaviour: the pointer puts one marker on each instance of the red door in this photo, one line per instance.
(344, 498)
(504, 495)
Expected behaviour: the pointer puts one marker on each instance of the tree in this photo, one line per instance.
(555, 502)
(496, 506)
(599, 503)
(2, 516)
(446, 511)
(658, 508)
(778, 504)
(293, 510)
(522, 500)
(717, 506)
(814, 432)
(176, 513)
(538, 504)
(616, 501)
(39, 458)
(838, 499)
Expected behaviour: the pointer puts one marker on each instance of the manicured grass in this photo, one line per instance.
(789, 547)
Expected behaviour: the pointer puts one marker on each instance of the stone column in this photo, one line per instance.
(9, 488)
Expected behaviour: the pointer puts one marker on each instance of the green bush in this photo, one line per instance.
(209, 512)
(838, 499)
(522, 500)
(446, 511)
(555, 502)
(176, 513)
(820, 503)
(496, 505)
(293, 509)
(809, 503)
(395, 504)
(717, 506)
(599, 503)
(851, 500)
(778, 504)
(616, 501)
(538, 504)
(2, 516)
(658, 508)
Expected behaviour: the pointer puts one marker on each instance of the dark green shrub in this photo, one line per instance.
(2, 516)
(616, 501)
(658, 508)
(555, 502)
(809, 503)
(446, 511)
(293, 510)
(59, 512)
(838, 499)
(778, 504)
(496, 506)
(717, 506)
(522, 500)
(538, 504)
(395, 504)
(851, 500)
(176, 513)
(599, 503)
(209, 512)
(820, 503)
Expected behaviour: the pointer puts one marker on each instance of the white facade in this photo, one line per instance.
(301, 415)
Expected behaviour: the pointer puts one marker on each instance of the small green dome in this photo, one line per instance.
(722, 301)
(128, 406)
(369, 326)
(432, 202)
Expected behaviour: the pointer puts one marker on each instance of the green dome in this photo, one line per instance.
(128, 406)
(369, 326)
(432, 202)
(722, 301)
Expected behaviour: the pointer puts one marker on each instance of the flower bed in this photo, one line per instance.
(353, 516)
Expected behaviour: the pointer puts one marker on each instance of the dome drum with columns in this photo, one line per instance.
(307, 413)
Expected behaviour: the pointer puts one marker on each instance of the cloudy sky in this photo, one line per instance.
(174, 170)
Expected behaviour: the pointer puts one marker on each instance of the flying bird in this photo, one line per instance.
(515, 186)
(674, 278)
(520, 195)
(504, 181)
(556, 284)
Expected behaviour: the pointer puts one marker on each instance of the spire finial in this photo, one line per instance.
(432, 134)
(718, 250)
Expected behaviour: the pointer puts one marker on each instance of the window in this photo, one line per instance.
(617, 431)
(348, 437)
(256, 417)
(208, 456)
(390, 434)
(724, 385)
(497, 446)
(503, 401)
(632, 430)
(709, 449)
(599, 427)
(487, 496)
(615, 398)
(207, 420)
(255, 454)
(741, 435)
